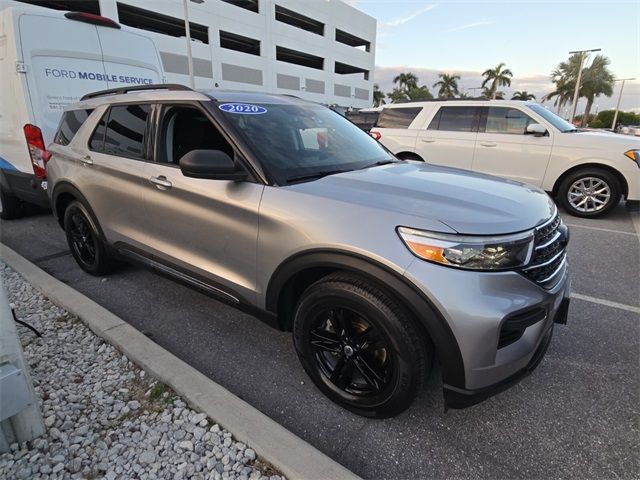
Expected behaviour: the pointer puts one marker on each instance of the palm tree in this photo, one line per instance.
(448, 85)
(564, 77)
(406, 81)
(597, 80)
(523, 95)
(398, 96)
(487, 93)
(418, 94)
(378, 96)
(497, 77)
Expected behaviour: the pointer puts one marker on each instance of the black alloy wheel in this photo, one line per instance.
(359, 347)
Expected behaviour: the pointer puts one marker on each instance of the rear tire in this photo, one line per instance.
(85, 242)
(12, 207)
(590, 193)
(359, 347)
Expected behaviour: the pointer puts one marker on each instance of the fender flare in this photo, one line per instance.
(67, 187)
(389, 280)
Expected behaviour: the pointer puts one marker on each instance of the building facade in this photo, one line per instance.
(321, 50)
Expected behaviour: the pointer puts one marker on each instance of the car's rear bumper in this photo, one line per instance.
(25, 186)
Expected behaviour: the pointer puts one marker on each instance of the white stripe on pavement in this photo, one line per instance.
(608, 303)
(608, 230)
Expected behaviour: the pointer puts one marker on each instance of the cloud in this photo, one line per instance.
(402, 20)
(466, 26)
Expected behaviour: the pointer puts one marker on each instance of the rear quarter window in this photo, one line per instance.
(70, 123)
(397, 117)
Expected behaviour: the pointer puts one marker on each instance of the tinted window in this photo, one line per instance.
(96, 142)
(507, 120)
(552, 118)
(398, 117)
(455, 119)
(70, 124)
(125, 131)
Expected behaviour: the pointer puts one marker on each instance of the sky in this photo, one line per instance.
(531, 37)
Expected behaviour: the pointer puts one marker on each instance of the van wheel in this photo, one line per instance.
(84, 241)
(589, 193)
(11, 206)
(359, 348)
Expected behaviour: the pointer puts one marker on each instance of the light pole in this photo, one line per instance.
(473, 89)
(187, 30)
(577, 89)
(615, 115)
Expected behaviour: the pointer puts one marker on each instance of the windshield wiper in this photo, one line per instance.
(314, 175)
(570, 130)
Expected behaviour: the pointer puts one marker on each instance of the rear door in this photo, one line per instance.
(450, 136)
(503, 147)
(208, 228)
(394, 125)
(63, 61)
(111, 172)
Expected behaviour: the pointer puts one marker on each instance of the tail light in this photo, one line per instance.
(376, 135)
(92, 19)
(37, 151)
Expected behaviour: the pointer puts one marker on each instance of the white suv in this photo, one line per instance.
(588, 172)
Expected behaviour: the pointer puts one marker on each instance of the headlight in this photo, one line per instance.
(476, 253)
(633, 155)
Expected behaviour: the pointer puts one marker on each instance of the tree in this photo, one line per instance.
(624, 118)
(418, 94)
(448, 85)
(496, 77)
(378, 96)
(406, 81)
(398, 95)
(597, 80)
(523, 95)
(487, 93)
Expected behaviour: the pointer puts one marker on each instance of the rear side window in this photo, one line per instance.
(69, 125)
(126, 131)
(455, 119)
(507, 120)
(397, 117)
(96, 142)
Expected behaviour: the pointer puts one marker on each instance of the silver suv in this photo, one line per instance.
(378, 266)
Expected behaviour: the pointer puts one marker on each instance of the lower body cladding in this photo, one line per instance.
(502, 323)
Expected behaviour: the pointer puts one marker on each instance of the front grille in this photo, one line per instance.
(549, 256)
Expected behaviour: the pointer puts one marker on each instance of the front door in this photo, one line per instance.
(503, 147)
(208, 228)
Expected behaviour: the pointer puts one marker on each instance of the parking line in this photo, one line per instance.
(608, 303)
(608, 230)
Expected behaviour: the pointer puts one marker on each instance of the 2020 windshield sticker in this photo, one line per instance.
(242, 108)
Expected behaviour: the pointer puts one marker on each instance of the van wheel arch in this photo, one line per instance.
(294, 275)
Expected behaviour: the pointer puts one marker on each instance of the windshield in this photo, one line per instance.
(552, 118)
(304, 141)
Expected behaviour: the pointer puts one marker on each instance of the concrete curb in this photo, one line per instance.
(290, 454)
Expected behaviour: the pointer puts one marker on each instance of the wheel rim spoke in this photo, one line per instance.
(323, 340)
(589, 194)
(342, 375)
(370, 376)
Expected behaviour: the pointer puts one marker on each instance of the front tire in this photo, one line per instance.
(12, 207)
(359, 348)
(85, 242)
(590, 193)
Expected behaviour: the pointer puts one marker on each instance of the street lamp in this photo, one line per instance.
(575, 93)
(187, 30)
(615, 115)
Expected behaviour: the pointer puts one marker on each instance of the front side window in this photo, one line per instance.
(299, 140)
(507, 120)
(455, 119)
(126, 131)
(186, 128)
(397, 117)
(552, 118)
(69, 125)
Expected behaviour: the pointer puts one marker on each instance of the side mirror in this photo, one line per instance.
(536, 130)
(211, 164)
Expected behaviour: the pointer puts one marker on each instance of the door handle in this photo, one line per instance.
(428, 140)
(161, 182)
(488, 144)
(86, 160)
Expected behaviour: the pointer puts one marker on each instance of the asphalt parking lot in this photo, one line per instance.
(577, 416)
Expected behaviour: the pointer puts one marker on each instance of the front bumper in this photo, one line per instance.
(476, 306)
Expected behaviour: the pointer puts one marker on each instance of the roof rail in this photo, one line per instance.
(136, 88)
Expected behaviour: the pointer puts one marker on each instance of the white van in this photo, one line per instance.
(49, 59)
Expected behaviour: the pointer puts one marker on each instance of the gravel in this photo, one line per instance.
(105, 417)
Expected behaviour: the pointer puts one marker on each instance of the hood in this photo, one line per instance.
(598, 140)
(468, 202)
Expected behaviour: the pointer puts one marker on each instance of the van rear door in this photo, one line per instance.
(140, 66)
(63, 60)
